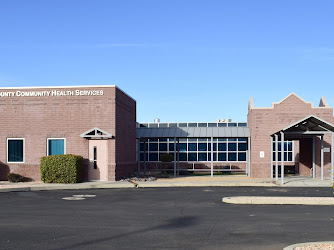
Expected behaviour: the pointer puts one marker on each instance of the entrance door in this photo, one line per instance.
(98, 160)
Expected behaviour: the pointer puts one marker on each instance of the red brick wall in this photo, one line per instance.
(265, 121)
(39, 118)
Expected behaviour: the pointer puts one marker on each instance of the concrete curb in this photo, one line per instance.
(310, 244)
(268, 200)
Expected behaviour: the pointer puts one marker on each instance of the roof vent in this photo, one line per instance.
(156, 120)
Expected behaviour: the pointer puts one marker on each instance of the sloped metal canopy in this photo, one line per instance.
(184, 132)
(308, 126)
(96, 133)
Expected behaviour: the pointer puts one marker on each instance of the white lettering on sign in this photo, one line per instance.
(261, 154)
(327, 150)
(21, 93)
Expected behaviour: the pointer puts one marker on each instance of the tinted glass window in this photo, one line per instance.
(241, 156)
(202, 146)
(183, 157)
(153, 156)
(183, 146)
(232, 156)
(15, 150)
(242, 146)
(153, 146)
(192, 147)
(192, 157)
(202, 156)
(232, 147)
(221, 146)
(163, 146)
(222, 157)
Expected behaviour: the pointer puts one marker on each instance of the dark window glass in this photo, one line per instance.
(162, 139)
(285, 146)
(274, 156)
(202, 146)
(285, 156)
(15, 150)
(183, 146)
(279, 156)
(142, 146)
(222, 125)
(279, 146)
(215, 147)
(290, 156)
(192, 147)
(192, 125)
(232, 139)
(202, 125)
(163, 146)
(274, 146)
(222, 157)
(172, 125)
(56, 147)
(153, 146)
(221, 146)
(290, 146)
(222, 139)
(212, 125)
(232, 124)
(242, 139)
(209, 146)
(153, 125)
(163, 125)
(142, 157)
(242, 124)
(242, 146)
(183, 157)
(192, 157)
(171, 139)
(153, 140)
(171, 146)
(182, 124)
(143, 125)
(214, 156)
(192, 139)
(232, 156)
(153, 156)
(202, 156)
(241, 156)
(232, 147)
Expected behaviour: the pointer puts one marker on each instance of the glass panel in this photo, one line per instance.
(163, 125)
(212, 125)
(232, 156)
(142, 146)
(222, 139)
(242, 139)
(290, 146)
(290, 156)
(192, 157)
(221, 146)
(182, 124)
(183, 157)
(202, 139)
(285, 156)
(153, 125)
(222, 157)
(192, 147)
(222, 125)
(242, 124)
(172, 125)
(274, 156)
(56, 147)
(192, 139)
(171, 146)
(202, 156)
(232, 147)
(241, 156)
(285, 146)
(171, 139)
(274, 146)
(279, 146)
(153, 140)
(214, 156)
(242, 146)
(153, 156)
(232, 124)
(214, 146)
(279, 156)
(183, 146)
(95, 157)
(143, 125)
(202, 125)
(192, 125)
(232, 139)
(209, 146)
(202, 146)
(142, 156)
(163, 146)
(15, 150)
(162, 139)
(153, 146)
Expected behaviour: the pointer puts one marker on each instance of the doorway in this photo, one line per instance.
(98, 160)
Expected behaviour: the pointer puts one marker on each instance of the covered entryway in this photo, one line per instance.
(97, 153)
(308, 131)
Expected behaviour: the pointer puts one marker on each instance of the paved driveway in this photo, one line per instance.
(160, 218)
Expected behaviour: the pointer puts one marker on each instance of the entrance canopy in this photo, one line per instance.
(308, 127)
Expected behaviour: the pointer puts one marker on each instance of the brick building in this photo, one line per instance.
(96, 122)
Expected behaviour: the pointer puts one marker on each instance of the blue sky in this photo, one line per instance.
(182, 60)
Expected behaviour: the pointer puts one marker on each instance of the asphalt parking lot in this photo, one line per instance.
(161, 218)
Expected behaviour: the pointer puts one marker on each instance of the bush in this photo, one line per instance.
(17, 178)
(166, 157)
(62, 168)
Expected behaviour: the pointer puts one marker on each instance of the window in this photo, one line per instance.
(288, 151)
(15, 150)
(56, 146)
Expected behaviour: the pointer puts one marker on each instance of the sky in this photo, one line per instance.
(181, 60)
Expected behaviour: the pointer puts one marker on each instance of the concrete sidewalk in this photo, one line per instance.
(188, 181)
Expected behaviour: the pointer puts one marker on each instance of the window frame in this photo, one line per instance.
(24, 145)
(47, 144)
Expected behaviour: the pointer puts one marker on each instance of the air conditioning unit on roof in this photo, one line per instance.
(224, 120)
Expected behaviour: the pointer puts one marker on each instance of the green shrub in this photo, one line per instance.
(17, 178)
(62, 169)
(166, 158)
